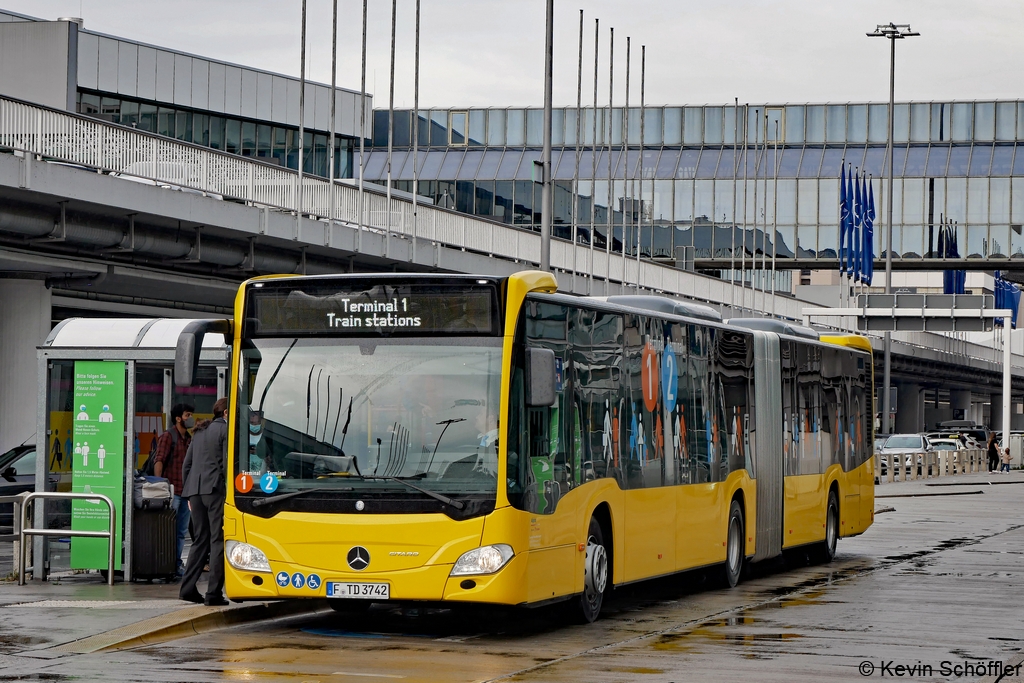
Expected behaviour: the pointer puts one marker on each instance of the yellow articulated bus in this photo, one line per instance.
(485, 439)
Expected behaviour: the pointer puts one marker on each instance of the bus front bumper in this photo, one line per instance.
(432, 583)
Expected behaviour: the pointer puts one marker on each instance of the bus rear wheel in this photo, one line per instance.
(734, 546)
(595, 576)
(826, 551)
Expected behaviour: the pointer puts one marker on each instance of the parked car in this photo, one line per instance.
(18, 475)
(906, 445)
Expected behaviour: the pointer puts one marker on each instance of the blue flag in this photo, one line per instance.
(844, 214)
(850, 222)
(858, 225)
(869, 236)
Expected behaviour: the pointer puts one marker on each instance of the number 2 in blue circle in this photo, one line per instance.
(268, 483)
(313, 582)
(669, 378)
(298, 580)
(282, 579)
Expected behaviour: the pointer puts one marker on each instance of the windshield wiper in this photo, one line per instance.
(457, 504)
(284, 496)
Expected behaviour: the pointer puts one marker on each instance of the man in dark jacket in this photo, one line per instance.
(204, 474)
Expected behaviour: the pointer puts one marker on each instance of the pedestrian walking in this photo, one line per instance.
(993, 452)
(205, 475)
(171, 448)
(1006, 458)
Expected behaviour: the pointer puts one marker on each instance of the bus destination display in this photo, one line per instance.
(336, 310)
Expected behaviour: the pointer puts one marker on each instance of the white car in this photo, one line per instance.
(907, 445)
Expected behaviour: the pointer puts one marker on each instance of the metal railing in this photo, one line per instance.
(892, 467)
(24, 530)
(114, 149)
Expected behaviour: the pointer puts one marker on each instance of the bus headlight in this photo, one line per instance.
(246, 557)
(485, 560)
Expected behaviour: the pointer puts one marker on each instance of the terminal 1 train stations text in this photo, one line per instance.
(376, 308)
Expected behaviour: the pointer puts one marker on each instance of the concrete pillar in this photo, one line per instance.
(24, 324)
(909, 408)
(960, 399)
(996, 411)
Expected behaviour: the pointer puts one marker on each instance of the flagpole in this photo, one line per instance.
(593, 161)
(302, 117)
(775, 213)
(743, 233)
(416, 137)
(640, 161)
(624, 155)
(330, 142)
(844, 208)
(391, 128)
(735, 172)
(609, 229)
(764, 221)
(362, 134)
(576, 173)
(753, 246)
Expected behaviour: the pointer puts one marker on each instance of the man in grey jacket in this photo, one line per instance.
(205, 476)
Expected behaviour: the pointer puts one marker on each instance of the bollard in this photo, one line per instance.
(889, 474)
(942, 463)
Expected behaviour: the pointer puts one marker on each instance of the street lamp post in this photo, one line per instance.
(893, 32)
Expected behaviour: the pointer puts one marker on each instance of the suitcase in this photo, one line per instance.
(154, 545)
(149, 493)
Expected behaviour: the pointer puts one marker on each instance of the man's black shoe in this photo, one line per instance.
(215, 601)
(194, 596)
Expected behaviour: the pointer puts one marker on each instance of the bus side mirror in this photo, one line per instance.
(190, 344)
(540, 375)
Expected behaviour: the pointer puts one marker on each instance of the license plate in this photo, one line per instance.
(349, 589)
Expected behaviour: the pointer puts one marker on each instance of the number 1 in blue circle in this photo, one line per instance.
(268, 483)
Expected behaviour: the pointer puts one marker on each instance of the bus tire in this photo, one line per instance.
(826, 550)
(596, 573)
(734, 546)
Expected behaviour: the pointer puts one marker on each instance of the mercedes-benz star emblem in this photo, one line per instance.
(358, 558)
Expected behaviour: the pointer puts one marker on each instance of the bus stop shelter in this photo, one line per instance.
(99, 377)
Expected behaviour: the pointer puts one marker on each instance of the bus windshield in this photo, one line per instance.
(361, 416)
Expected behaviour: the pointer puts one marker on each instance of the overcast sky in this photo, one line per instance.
(490, 52)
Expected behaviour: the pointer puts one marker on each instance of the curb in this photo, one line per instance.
(183, 623)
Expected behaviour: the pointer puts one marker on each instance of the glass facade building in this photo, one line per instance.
(718, 178)
(275, 144)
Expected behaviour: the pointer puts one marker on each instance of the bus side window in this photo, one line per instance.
(790, 414)
(550, 472)
(698, 426)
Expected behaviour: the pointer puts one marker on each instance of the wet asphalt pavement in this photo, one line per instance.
(937, 579)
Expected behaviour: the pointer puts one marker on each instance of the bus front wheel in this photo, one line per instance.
(595, 575)
(734, 546)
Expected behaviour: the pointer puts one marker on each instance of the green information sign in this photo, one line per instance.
(98, 461)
